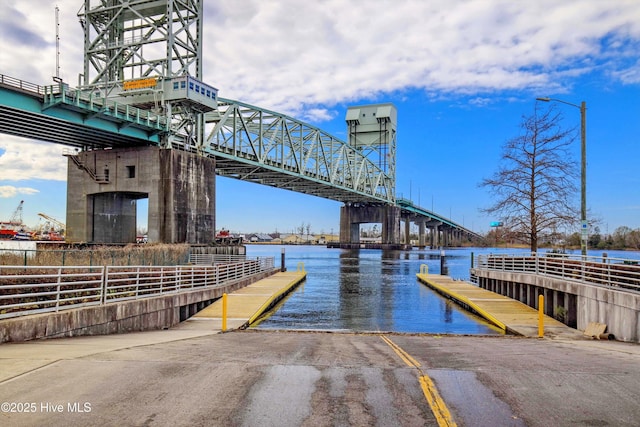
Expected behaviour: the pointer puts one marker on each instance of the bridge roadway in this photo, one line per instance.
(194, 375)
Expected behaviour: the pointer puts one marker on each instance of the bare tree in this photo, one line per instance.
(534, 188)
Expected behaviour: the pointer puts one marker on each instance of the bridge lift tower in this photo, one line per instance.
(149, 54)
(372, 131)
(146, 54)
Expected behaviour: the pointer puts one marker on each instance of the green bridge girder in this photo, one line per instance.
(248, 142)
(409, 207)
(262, 146)
(66, 116)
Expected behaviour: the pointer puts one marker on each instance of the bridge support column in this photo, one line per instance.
(434, 233)
(104, 185)
(407, 231)
(421, 233)
(352, 215)
(446, 236)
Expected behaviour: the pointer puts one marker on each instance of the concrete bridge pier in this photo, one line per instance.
(103, 187)
(407, 231)
(354, 214)
(434, 233)
(421, 234)
(446, 236)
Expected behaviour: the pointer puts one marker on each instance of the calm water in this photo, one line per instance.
(374, 290)
(369, 290)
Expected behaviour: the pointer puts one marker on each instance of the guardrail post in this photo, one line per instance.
(103, 297)
(137, 280)
(605, 261)
(540, 316)
(282, 267)
(58, 288)
(224, 312)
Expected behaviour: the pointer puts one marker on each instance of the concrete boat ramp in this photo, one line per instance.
(510, 315)
(246, 305)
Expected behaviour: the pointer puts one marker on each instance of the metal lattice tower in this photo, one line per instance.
(372, 131)
(144, 38)
(148, 53)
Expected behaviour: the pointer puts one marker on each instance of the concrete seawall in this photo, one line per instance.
(136, 315)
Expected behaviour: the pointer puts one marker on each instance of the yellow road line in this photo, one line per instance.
(406, 357)
(438, 407)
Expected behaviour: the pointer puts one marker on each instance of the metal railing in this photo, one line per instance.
(99, 256)
(211, 259)
(61, 93)
(617, 273)
(21, 84)
(29, 290)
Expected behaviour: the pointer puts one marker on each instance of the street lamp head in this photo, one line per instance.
(545, 99)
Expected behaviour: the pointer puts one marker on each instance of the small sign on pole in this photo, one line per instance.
(496, 223)
(585, 230)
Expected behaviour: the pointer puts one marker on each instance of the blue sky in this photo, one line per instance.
(461, 74)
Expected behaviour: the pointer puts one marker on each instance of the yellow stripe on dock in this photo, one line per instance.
(508, 314)
(246, 305)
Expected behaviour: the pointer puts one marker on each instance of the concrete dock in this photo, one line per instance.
(246, 305)
(508, 314)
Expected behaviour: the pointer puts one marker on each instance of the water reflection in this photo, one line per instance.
(373, 290)
(367, 290)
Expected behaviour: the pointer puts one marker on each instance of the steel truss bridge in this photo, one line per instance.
(247, 142)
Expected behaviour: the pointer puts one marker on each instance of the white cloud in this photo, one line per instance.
(293, 56)
(7, 191)
(22, 159)
(630, 75)
(304, 58)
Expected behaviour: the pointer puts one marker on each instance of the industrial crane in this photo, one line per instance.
(52, 229)
(9, 229)
(16, 218)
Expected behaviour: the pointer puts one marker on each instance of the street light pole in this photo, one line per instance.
(583, 170)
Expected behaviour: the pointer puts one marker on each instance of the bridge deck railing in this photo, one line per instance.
(30, 290)
(61, 93)
(617, 273)
(21, 85)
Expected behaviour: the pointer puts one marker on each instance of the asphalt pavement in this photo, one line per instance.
(195, 376)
